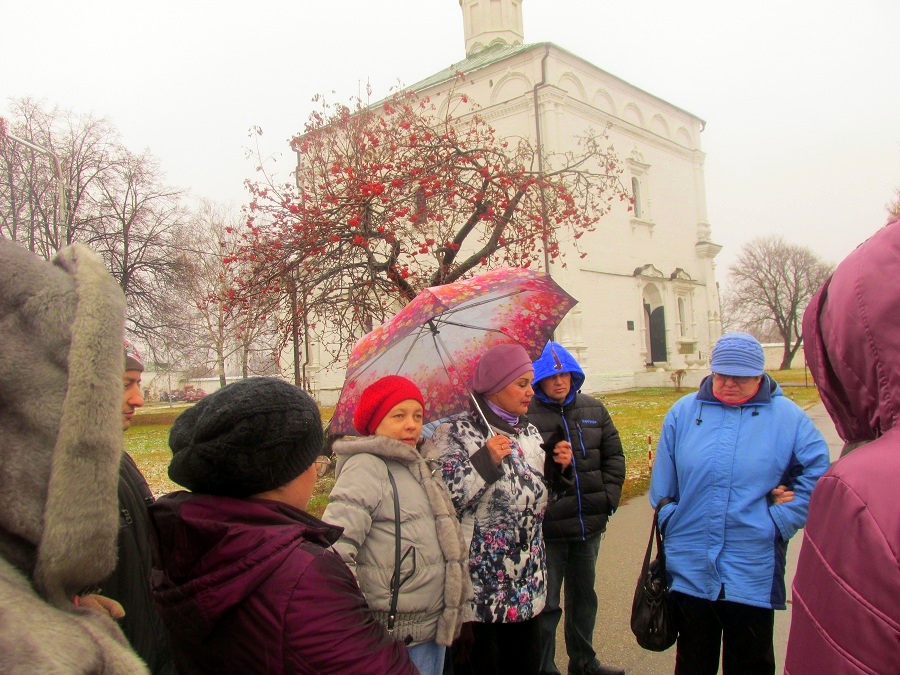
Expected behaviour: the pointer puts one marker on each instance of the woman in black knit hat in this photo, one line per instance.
(244, 577)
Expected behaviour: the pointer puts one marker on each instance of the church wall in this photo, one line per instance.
(656, 142)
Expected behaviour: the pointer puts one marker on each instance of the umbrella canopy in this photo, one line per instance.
(437, 339)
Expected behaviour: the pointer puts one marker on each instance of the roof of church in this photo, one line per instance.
(472, 62)
(499, 52)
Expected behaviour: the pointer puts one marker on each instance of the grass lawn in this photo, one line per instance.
(636, 414)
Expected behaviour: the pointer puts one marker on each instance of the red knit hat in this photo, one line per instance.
(379, 397)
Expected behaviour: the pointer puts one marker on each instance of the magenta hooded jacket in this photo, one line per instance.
(251, 586)
(846, 593)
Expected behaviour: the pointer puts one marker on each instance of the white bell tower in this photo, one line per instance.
(489, 22)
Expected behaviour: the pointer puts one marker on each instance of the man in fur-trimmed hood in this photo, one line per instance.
(61, 327)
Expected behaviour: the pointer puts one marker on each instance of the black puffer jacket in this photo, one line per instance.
(597, 456)
(129, 583)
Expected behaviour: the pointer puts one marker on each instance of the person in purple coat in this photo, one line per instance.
(846, 599)
(244, 578)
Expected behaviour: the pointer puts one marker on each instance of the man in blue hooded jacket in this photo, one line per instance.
(573, 525)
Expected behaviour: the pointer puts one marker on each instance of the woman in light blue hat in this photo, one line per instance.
(739, 462)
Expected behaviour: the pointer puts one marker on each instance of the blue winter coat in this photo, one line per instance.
(724, 539)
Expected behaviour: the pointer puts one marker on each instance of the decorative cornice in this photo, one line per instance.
(640, 222)
(648, 270)
(707, 249)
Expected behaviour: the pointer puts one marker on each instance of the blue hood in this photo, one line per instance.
(555, 359)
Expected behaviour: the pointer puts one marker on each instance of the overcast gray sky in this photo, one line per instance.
(801, 97)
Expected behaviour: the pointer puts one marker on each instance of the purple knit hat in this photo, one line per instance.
(499, 366)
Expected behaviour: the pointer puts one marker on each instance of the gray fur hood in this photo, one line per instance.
(61, 366)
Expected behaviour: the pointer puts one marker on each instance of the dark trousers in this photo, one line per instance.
(743, 633)
(574, 562)
(501, 648)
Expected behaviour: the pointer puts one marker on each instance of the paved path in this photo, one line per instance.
(621, 555)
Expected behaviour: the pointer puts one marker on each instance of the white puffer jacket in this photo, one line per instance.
(434, 574)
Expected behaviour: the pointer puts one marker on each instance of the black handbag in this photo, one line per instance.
(652, 621)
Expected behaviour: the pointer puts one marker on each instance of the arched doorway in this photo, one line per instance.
(655, 322)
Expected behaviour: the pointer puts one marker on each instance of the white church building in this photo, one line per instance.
(648, 311)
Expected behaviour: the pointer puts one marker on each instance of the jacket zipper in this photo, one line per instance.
(575, 467)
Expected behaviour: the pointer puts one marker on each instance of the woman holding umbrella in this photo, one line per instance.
(401, 537)
(499, 478)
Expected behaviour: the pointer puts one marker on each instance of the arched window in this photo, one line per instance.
(636, 192)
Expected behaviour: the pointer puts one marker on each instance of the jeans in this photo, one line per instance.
(575, 562)
(744, 634)
(428, 657)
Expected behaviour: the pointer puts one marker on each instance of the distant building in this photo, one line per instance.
(648, 299)
(774, 352)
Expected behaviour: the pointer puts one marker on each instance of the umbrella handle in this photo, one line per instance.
(490, 429)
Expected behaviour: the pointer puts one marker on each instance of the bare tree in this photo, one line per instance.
(229, 326)
(770, 285)
(116, 202)
(140, 229)
(30, 196)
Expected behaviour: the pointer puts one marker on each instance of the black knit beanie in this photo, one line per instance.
(249, 437)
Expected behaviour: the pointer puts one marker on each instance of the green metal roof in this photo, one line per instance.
(473, 62)
(499, 52)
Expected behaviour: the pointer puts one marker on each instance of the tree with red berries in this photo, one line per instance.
(395, 197)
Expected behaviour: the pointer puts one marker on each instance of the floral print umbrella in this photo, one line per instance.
(437, 339)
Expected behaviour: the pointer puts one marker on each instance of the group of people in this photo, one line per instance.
(445, 552)
(428, 547)
(427, 543)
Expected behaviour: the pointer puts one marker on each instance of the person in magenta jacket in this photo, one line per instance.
(244, 578)
(846, 592)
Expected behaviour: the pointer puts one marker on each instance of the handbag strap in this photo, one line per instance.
(656, 534)
(395, 579)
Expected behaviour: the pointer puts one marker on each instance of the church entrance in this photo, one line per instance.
(655, 324)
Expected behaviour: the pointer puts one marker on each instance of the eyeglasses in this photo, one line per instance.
(737, 379)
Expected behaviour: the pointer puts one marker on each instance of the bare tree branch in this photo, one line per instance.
(770, 285)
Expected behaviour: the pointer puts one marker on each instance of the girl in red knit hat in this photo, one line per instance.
(394, 507)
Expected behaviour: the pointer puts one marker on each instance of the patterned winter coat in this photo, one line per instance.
(501, 510)
(435, 587)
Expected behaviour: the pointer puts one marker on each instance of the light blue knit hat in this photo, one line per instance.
(738, 354)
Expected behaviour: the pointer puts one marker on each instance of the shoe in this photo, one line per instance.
(597, 668)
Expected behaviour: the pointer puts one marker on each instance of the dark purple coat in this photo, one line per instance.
(248, 585)
(846, 594)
